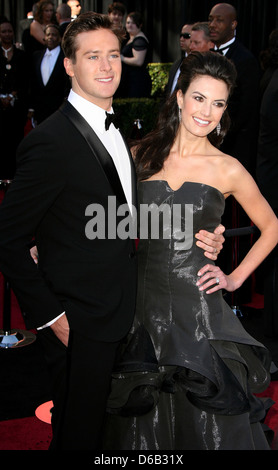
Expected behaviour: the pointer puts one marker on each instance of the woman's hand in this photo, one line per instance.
(213, 279)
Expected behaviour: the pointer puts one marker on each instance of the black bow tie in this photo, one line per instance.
(111, 118)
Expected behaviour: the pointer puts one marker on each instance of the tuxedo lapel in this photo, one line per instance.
(231, 50)
(98, 149)
(38, 63)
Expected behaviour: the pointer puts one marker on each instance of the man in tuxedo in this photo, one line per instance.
(81, 294)
(243, 106)
(241, 140)
(49, 83)
(175, 68)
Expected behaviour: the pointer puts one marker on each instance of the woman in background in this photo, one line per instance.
(45, 14)
(136, 81)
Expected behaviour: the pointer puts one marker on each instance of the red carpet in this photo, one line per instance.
(25, 434)
(272, 415)
(34, 434)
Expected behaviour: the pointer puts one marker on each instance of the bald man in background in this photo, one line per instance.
(243, 106)
(63, 15)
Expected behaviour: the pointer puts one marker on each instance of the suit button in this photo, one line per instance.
(132, 255)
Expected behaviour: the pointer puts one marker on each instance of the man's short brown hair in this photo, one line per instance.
(86, 22)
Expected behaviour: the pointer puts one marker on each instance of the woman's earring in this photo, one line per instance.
(218, 128)
(179, 114)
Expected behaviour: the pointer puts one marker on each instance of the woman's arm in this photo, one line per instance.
(247, 193)
(37, 32)
(137, 60)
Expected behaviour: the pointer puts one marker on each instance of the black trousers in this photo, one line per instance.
(80, 377)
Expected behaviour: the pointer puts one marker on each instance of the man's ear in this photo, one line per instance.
(234, 25)
(68, 66)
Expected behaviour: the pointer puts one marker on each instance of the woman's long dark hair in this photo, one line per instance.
(154, 148)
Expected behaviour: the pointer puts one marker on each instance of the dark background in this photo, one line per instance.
(163, 20)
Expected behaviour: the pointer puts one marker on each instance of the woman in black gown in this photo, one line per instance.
(188, 371)
(136, 81)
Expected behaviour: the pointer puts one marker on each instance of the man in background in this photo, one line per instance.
(174, 72)
(200, 37)
(75, 8)
(243, 105)
(63, 15)
(116, 12)
(49, 83)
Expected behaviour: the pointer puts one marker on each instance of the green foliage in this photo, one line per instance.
(144, 109)
(131, 109)
(159, 74)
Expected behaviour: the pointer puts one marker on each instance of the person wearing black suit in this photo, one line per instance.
(63, 15)
(175, 68)
(74, 189)
(64, 168)
(49, 83)
(241, 140)
(267, 176)
(244, 106)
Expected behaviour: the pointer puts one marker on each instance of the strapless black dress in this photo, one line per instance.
(187, 373)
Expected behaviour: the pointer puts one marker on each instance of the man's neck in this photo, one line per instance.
(105, 104)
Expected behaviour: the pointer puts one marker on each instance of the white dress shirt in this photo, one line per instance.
(48, 63)
(225, 47)
(111, 139)
(113, 142)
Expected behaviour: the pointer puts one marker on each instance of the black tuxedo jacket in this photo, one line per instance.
(63, 27)
(172, 72)
(243, 107)
(62, 169)
(46, 99)
(267, 164)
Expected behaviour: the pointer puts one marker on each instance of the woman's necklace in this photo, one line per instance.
(6, 51)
